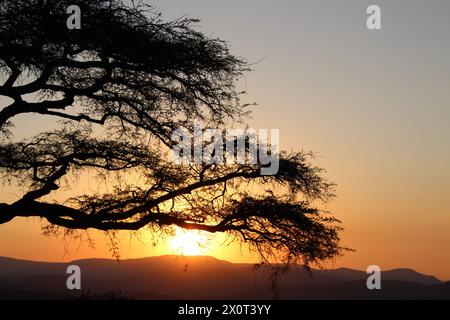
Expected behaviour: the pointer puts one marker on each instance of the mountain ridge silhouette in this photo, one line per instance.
(206, 277)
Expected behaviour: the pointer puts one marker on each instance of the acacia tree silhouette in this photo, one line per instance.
(138, 78)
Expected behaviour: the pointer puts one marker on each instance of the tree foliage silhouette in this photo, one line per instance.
(120, 86)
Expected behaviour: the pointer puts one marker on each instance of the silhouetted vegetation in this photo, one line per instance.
(121, 85)
(110, 295)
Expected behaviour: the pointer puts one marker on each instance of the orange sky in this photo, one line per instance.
(374, 105)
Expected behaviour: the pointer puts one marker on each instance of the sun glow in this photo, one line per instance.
(189, 243)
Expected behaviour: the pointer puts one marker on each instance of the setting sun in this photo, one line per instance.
(190, 243)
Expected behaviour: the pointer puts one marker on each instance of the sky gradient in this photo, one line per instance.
(374, 105)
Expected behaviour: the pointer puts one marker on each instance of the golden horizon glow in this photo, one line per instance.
(189, 242)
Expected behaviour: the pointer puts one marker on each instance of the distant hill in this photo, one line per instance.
(174, 277)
